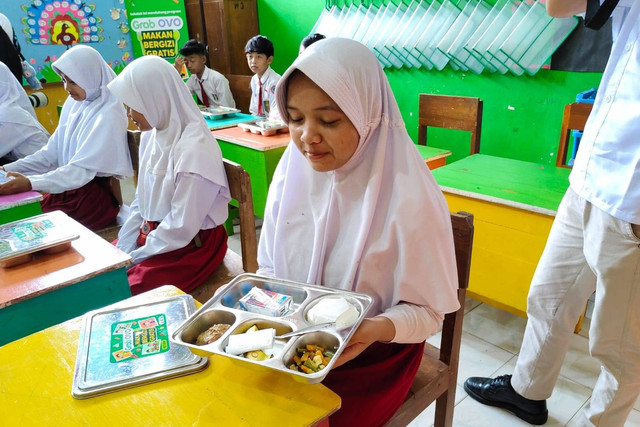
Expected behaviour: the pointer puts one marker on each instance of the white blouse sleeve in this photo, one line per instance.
(189, 208)
(224, 93)
(64, 178)
(13, 135)
(130, 229)
(413, 323)
(42, 161)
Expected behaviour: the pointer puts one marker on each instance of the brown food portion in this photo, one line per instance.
(212, 334)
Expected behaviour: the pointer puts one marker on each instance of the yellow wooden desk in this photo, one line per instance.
(36, 376)
(52, 288)
(514, 204)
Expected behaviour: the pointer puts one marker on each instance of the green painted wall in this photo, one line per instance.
(522, 115)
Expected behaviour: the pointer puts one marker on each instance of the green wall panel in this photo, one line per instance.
(522, 114)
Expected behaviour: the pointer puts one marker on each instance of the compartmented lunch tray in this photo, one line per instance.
(264, 127)
(225, 308)
(214, 113)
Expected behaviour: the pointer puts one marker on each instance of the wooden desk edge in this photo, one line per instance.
(498, 200)
(34, 199)
(233, 139)
(64, 284)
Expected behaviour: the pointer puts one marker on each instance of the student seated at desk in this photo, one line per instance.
(88, 146)
(353, 206)
(175, 231)
(21, 133)
(211, 87)
(259, 51)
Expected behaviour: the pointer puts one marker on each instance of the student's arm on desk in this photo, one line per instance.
(64, 178)
(188, 211)
(19, 184)
(42, 161)
(565, 8)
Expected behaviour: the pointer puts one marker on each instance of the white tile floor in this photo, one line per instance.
(490, 343)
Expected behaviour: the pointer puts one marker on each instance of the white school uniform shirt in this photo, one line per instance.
(216, 86)
(181, 183)
(606, 171)
(21, 133)
(90, 139)
(269, 81)
(377, 225)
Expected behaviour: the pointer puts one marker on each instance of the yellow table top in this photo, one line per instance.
(36, 376)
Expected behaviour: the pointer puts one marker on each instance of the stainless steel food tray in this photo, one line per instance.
(26, 236)
(213, 113)
(264, 127)
(224, 308)
(126, 346)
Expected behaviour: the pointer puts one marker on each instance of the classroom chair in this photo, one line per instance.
(234, 264)
(240, 87)
(450, 112)
(574, 118)
(438, 371)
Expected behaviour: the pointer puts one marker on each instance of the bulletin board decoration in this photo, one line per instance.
(46, 28)
(159, 27)
(63, 22)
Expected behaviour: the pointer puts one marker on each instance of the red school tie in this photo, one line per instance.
(259, 97)
(205, 98)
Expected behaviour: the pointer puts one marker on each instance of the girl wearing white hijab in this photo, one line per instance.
(353, 206)
(175, 232)
(9, 53)
(88, 146)
(21, 133)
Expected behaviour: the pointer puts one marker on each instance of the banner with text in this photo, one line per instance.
(158, 27)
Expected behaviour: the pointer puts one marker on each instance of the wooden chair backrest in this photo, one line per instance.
(240, 86)
(462, 223)
(133, 140)
(240, 188)
(438, 371)
(574, 118)
(450, 112)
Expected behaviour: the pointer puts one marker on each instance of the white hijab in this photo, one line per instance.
(151, 86)
(5, 24)
(379, 224)
(14, 104)
(92, 134)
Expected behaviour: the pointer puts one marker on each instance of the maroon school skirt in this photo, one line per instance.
(185, 268)
(374, 385)
(92, 205)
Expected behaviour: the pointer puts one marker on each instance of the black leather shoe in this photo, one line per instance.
(498, 392)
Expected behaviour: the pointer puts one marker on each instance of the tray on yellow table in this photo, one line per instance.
(123, 347)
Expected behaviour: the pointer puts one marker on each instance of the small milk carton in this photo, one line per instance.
(266, 302)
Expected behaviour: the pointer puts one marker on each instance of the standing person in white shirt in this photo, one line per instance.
(594, 245)
(259, 51)
(21, 133)
(175, 230)
(211, 87)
